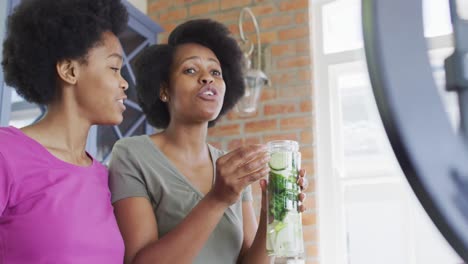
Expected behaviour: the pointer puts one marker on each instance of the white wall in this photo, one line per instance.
(140, 4)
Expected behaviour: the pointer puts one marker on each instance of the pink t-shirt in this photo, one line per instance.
(52, 211)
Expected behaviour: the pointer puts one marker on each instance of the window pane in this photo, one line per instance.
(342, 29)
(436, 15)
(22, 112)
(377, 224)
(363, 147)
(428, 238)
(130, 40)
(462, 9)
(342, 26)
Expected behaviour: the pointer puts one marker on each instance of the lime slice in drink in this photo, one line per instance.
(280, 160)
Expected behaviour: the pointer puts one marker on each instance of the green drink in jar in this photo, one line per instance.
(284, 220)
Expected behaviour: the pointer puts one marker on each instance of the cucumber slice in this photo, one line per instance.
(280, 160)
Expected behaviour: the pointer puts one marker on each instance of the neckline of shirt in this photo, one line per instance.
(52, 157)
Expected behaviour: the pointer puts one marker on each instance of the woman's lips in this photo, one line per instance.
(208, 93)
(121, 103)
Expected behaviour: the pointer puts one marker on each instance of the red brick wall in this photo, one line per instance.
(286, 107)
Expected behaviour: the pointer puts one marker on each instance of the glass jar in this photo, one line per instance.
(284, 220)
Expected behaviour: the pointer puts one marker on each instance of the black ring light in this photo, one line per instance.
(433, 157)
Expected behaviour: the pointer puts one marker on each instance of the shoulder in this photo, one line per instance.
(130, 144)
(133, 149)
(10, 139)
(16, 151)
(9, 133)
(98, 167)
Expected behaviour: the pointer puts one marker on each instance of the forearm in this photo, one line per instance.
(184, 242)
(257, 252)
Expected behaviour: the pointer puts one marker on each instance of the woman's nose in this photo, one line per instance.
(124, 84)
(206, 79)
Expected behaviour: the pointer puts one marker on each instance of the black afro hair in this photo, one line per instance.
(41, 33)
(153, 64)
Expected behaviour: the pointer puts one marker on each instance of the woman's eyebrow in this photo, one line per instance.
(116, 55)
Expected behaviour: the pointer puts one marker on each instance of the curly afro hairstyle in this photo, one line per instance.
(152, 67)
(41, 33)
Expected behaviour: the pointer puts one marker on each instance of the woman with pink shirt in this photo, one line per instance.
(54, 200)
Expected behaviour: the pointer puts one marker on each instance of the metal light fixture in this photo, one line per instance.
(255, 79)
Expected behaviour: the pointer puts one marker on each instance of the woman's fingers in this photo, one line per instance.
(302, 208)
(239, 156)
(255, 175)
(302, 173)
(239, 168)
(258, 162)
(302, 181)
(263, 185)
(302, 197)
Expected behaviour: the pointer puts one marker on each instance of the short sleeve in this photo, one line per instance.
(5, 183)
(247, 194)
(125, 179)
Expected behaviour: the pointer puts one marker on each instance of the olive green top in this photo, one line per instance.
(138, 168)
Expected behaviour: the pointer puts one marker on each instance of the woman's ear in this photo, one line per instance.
(67, 71)
(163, 94)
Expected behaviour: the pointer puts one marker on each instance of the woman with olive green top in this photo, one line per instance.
(140, 169)
(177, 199)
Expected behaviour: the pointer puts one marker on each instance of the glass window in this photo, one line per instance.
(376, 219)
(342, 26)
(362, 148)
(342, 30)
(436, 16)
(22, 112)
